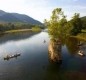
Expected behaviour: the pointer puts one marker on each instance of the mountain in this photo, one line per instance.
(16, 17)
(83, 18)
(2, 12)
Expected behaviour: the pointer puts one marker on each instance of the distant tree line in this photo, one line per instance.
(15, 26)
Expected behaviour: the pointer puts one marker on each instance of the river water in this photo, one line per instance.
(34, 64)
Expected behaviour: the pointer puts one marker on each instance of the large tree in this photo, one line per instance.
(56, 23)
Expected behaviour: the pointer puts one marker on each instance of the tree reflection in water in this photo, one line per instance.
(54, 49)
(72, 44)
(75, 64)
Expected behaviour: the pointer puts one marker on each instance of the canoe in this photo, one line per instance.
(11, 56)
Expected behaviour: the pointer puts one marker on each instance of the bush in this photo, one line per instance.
(36, 29)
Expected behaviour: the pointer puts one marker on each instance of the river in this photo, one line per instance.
(34, 64)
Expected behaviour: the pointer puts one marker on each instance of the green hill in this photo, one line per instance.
(6, 17)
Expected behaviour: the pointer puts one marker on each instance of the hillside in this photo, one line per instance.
(15, 17)
(83, 18)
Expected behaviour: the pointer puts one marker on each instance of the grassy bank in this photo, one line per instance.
(34, 29)
(81, 36)
(19, 30)
(83, 31)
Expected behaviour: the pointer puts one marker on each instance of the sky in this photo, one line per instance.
(42, 9)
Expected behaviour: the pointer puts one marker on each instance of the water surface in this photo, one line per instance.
(34, 64)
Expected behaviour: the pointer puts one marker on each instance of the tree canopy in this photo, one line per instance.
(56, 23)
(77, 24)
(59, 26)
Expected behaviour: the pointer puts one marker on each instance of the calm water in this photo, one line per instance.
(33, 64)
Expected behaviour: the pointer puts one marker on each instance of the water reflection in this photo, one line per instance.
(33, 64)
(74, 45)
(15, 36)
(55, 51)
(55, 69)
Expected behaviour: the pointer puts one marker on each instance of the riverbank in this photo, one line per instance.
(81, 36)
(83, 31)
(19, 30)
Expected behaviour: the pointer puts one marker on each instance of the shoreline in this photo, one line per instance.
(79, 37)
(19, 30)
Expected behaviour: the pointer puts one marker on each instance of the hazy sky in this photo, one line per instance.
(41, 9)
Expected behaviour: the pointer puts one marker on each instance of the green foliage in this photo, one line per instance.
(14, 26)
(83, 22)
(57, 23)
(68, 28)
(77, 24)
(1, 28)
(36, 29)
(82, 36)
